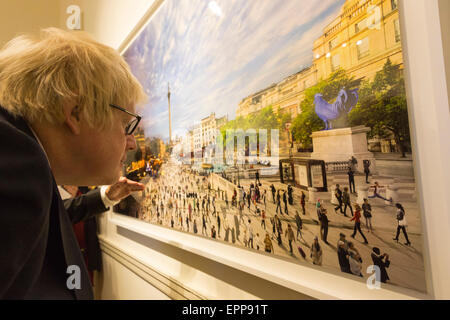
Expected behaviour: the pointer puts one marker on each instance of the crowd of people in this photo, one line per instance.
(185, 200)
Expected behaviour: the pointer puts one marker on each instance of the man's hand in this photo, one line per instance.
(123, 188)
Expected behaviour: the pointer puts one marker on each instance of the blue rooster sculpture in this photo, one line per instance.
(344, 103)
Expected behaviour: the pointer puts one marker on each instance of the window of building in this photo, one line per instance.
(360, 25)
(394, 4)
(362, 47)
(397, 30)
(333, 43)
(334, 62)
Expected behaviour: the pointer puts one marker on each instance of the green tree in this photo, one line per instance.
(382, 106)
(307, 121)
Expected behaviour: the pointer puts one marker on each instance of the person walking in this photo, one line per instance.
(290, 191)
(357, 226)
(272, 188)
(257, 178)
(290, 236)
(303, 202)
(366, 164)
(351, 179)
(343, 255)
(299, 223)
(268, 246)
(264, 197)
(218, 225)
(204, 231)
(346, 201)
(401, 223)
(285, 203)
(367, 213)
(316, 252)
(250, 233)
(338, 195)
(324, 224)
(355, 260)
(263, 218)
(382, 261)
(278, 203)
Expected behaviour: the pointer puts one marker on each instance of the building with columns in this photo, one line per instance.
(359, 40)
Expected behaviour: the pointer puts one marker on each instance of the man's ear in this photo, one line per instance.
(72, 117)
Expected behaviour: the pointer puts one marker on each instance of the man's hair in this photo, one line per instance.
(38, 74)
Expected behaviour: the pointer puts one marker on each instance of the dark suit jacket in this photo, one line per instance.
(37, 242)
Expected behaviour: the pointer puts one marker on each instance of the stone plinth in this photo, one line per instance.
(342, 144)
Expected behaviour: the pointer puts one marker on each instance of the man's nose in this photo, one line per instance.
(131, 143)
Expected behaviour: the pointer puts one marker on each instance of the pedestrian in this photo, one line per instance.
(213, 232)
(299, 223)
(338, 195)
(343, 255)
(357, 220)
(204, 230)
(272, 188)
(401, 223)
(316, 252)
(351, 179)
(367, 213)
(265, 198)
(250, 233)
(278, 202)
(302, 202)
(355, 260)
(257, 177)
(366, 164)
(263, 218)
(290, 236)
(290, 195)
(218, 225)
(319, 211)
(346, 201)
(195, 226)
(376, 187)
(324, 224)
(272, 220)
(268, 246)
(285, 203)
(382, 261)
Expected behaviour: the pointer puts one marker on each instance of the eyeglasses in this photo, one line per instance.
(132, 125)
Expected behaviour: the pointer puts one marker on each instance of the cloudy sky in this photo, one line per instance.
(215, 53)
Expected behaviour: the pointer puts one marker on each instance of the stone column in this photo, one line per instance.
(391, 192)
(312, 195)
(362, 193)
(333, 200)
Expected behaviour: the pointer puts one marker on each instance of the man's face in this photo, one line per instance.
(104, 152)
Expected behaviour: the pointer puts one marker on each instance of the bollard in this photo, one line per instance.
(362, 194)
(333, 200)
(312, 195)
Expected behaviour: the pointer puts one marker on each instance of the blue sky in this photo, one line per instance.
(215, 53)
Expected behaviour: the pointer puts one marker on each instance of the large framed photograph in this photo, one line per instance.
(280, 127)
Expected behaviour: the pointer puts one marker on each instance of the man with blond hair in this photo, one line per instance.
(66, 118)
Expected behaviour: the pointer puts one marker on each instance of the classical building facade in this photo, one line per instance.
(359, 40)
